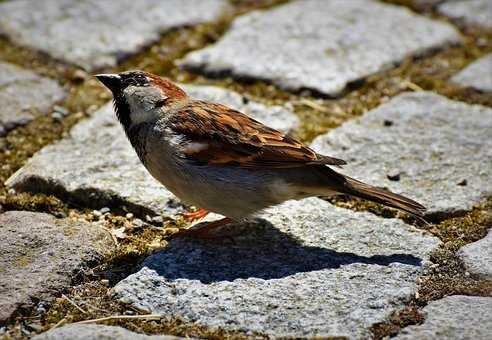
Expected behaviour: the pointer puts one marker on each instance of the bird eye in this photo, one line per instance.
(161, 102)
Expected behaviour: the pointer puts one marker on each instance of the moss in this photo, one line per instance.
(407, 316)
(447, 275)
(34, 202)
(94, 301)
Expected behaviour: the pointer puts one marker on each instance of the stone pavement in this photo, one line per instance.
(97, 332)
(24, 94)
(475, 12)
(93, 34)
(303, 263)
(477, 256)
(331, 44)
(42, 255)
(477, 75)
(454, 317)
(302, 269)
(439, 148)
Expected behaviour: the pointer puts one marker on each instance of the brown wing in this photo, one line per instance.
(222, 136)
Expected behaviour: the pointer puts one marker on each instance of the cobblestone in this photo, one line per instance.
(435, 142)
(95, 34)
(304, 263)
(324, 46)
(24, 94)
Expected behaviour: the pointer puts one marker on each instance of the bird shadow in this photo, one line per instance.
(261, 251)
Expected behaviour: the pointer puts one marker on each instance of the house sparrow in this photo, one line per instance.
(221, 160)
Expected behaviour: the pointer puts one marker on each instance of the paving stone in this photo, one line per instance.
(97, 167)
(96, 332)
(453, 318)
(41, 256)
(23, 94)
(477, 257)
(437, 144)
(95, 34)
(318, 44)
(303, 263)
(477, 75)
(472, 12)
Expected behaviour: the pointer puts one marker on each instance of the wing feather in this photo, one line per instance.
(229, 137)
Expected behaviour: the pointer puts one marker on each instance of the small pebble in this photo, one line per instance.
(157, 219)
(57, 116)
(61, 110)
(96, 213)
(463, 183)
(129, 215)
(393, 175)
(79, 75)
(387, 122)
(104, 282)
(105, 210)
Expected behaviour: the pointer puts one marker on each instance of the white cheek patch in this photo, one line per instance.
(142, 102)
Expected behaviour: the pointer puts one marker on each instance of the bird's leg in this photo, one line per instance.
(196, 215)
(204, 232)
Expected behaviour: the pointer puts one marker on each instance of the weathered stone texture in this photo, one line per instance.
(477, 75)
(23, 94)
(306, 268)
(441, 148)
(95, 34)
(97, 332)
(472, 12)
(41, 255)
(477, 257)
(322, 45)
(453, 318)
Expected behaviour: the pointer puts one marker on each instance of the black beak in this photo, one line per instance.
(111, 80)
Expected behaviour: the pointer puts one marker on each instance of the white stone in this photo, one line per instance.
(436, 144)
(477, 257)
(307, 269)
(23, 94)
(477, 75)
(95, 34)
(319, 44)
(453, 318)
(474, 12)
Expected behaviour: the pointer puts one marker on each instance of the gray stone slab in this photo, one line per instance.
(477, 75)
(318, 44)
(95, 34)
(41, 255)
(454, 318)
(306, 268)
(477, 257)
(23, 94)
(97, 332)
(472, 12)
(97, 166)
(440, 148)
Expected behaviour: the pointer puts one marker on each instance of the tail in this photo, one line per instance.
(353, 187)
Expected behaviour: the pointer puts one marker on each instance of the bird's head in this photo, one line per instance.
(141, 97)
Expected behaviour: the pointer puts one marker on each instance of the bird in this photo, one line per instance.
(216, 158)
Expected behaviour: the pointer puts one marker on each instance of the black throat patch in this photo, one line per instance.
(122, 110)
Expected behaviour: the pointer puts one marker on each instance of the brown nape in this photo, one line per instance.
(171, 90)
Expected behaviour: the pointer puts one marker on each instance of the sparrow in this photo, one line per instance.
(219, 159)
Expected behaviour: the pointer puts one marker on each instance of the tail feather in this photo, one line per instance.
(359, 189)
